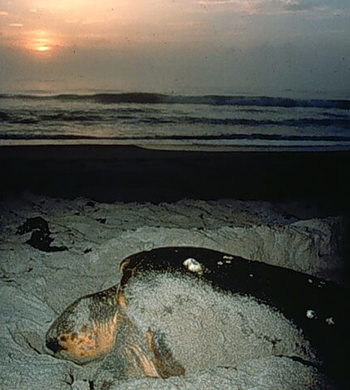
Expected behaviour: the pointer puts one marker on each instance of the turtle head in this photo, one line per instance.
(86, 330)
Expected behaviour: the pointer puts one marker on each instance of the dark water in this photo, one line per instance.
(146, 118)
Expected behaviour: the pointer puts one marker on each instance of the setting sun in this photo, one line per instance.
(41, 41)
(43, 48)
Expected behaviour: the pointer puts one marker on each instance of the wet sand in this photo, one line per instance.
(131, 173)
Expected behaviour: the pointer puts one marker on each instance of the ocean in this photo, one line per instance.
(176, 120)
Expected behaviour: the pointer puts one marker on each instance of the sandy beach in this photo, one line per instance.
(104, 203)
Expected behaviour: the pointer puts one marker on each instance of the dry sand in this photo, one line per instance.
(36, 286)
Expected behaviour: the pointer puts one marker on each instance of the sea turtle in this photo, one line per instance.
(93, 326)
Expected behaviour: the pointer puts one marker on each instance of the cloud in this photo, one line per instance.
(282, 6)
(216, 2)
(91, 21)
(17, 25)
(4, 13)
(267, 6)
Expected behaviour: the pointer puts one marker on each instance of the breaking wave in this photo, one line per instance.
(160, 118)
(254, 136)
(215, 100)
(29, 117)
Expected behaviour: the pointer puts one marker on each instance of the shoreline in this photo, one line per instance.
(184, 147)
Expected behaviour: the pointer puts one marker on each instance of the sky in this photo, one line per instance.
(267, 47)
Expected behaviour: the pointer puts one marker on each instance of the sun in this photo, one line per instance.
(41, 42)
(43, 48)
(41, 45)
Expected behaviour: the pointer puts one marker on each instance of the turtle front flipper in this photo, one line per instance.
(165, 362)
(87, 329)
(139, 354)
